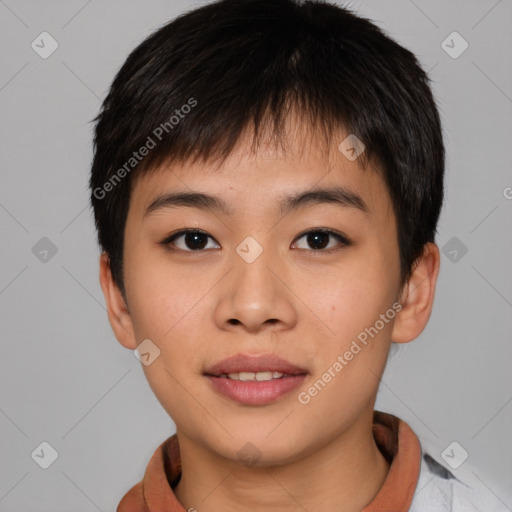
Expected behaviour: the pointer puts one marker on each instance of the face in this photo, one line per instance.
(302, 281)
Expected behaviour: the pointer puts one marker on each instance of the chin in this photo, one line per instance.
(256, 448)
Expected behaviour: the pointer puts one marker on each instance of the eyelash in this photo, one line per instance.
(345, 242)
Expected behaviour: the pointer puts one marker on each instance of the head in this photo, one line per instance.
(253, 103)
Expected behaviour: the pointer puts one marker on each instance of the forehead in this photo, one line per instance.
(252, 178)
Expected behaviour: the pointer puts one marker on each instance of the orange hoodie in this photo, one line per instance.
(394, 437)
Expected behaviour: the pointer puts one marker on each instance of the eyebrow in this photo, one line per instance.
(334, 195)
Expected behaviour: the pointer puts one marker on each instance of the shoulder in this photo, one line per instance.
(133, 500)
(441, 489)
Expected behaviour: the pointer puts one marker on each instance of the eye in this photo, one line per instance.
(319, 240)
(195, 240)
(192, 240)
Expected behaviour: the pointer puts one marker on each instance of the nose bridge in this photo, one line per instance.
(253, 293)
(253, 279)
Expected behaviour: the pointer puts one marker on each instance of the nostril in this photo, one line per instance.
(234, 321)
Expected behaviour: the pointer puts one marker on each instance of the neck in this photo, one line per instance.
(348, 470)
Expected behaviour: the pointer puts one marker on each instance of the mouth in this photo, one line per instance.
(255, 380)
(254, 376)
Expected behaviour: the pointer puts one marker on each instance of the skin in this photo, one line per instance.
(319, 302)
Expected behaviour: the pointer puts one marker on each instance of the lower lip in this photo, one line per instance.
(256, 392)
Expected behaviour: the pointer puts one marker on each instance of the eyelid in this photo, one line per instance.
(343, 239)
(168, 239)
(330, 231)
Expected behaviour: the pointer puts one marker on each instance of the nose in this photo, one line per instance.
(255, 296)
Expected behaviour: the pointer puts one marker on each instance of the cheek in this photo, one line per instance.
(160, 298)
(344, 306)
(168, 307)
(342, 299)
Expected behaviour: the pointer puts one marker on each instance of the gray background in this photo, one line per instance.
(64, 378)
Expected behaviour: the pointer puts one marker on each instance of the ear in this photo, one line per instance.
(117, 310)
(417, 296)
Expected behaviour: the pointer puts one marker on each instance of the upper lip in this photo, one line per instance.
(254, 363)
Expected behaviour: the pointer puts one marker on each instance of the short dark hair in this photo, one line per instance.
(189, 90)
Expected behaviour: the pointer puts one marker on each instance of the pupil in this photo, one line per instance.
(317, 239)
(193, 240)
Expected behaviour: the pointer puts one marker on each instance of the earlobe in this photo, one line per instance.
(118, 314)
(417, 296)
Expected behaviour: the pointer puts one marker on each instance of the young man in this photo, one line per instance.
(266, 185)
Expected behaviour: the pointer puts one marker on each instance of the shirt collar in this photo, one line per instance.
(395, 439)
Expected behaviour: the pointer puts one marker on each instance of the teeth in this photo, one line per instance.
(264, 376)
(245, 376)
